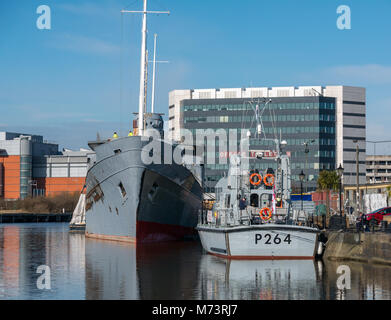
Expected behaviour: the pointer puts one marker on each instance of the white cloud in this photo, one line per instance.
(377, 132)
(367, 74)
(359, 75)
(72, 135)
(87, 8)
(93, 121)
(58, 115)
(82, 44)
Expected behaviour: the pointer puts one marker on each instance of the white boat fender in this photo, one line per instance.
(321, 247)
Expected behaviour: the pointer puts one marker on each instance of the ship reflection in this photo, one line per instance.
(158, 271)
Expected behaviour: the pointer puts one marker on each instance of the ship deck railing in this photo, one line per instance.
(244, 220)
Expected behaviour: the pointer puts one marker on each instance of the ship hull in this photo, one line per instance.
(128, 200)
(274, 242)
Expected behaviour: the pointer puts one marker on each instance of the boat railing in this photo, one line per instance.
(221, 217)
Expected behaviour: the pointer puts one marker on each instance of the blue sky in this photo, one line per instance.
(81, 77)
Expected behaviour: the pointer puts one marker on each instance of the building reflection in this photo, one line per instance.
(9, 261)
(25, 247)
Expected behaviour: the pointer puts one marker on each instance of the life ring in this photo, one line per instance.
(266, 182)
(264, 216)
(259, 179)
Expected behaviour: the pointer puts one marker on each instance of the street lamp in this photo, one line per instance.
(306, 152)
(340, 173)
(301, 177)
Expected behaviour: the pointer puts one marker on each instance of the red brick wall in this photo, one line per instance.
(11, 176)
(55, 186)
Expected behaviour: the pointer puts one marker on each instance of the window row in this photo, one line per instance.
(265, 118)
(316, 154)
(273, 106)
(311, 177)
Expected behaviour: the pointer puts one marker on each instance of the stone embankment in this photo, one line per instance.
(363, 247)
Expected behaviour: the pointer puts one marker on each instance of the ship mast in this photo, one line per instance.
(142, 93)
(153, 75)
(145, 81)
(154, 61)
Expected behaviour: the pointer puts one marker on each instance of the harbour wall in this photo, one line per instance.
(34, 217)
(363, 247)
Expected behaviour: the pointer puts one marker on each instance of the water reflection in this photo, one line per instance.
(24, 247)
(92, 269)
(110, 270)
(368, 282)
(258, 280)
(122, 271)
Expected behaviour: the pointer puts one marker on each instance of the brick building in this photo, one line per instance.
(30, 166)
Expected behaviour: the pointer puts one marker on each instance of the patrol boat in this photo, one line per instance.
(129, 199)
(252, 217)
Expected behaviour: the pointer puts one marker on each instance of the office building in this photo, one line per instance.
(378, 169)
(322, 125)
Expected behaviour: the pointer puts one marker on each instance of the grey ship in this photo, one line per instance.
(128, 200)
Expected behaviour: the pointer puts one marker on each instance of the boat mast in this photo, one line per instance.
(153, 75)
(142, 93)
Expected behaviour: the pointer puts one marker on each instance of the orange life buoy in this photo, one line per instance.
(266, 181)
(259, 179)
(266, 216)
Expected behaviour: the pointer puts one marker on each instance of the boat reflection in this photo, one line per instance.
(258, 279)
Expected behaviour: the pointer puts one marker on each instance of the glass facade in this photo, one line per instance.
(306, 123)
(25, 176)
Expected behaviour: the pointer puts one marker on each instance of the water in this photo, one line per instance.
(83, 268)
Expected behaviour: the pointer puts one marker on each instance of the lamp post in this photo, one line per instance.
(358, 179)
(301, 177)
(340, 173)
(306, 152)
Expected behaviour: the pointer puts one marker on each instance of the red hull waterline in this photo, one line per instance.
(261, 257)
(148, 232)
